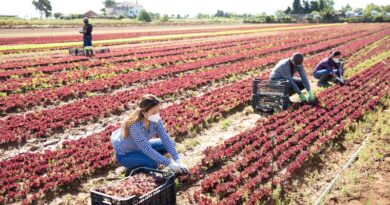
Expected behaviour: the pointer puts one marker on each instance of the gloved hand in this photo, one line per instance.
(174, 167)
(311, 96)
(302, 97)
(183, 167)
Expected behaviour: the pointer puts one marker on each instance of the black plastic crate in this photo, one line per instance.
(76, 51)
(165, 194)
(268, 95)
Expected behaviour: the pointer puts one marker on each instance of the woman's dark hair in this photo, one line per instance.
(335, 53)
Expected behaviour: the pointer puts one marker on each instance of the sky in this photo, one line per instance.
(24, 8)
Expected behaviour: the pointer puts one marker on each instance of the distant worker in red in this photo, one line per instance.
(87, 31)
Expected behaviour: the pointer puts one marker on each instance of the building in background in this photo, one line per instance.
(125, 8)
(90, 14)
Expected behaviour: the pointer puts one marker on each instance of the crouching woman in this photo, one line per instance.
(134, 144)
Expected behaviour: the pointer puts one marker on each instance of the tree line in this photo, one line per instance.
(322, 10)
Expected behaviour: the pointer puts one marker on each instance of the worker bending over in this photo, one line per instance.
(285, 70)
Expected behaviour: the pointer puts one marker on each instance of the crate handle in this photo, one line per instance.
(136, 170)
(107, 202)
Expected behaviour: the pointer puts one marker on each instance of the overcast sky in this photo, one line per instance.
(24, 8)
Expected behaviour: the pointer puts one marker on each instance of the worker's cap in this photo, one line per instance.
(85, 20)
(297, 58)
(335, 53)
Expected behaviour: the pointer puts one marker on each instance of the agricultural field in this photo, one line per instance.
(57, 112)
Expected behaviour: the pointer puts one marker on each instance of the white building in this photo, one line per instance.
(374, 12)
(125, 8)
(350, 14)
(353, 14)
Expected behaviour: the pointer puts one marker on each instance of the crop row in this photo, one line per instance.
(32, 175)
(45, 122)
(50, 96)
(300, 132)
(69, 38)
(74, 76)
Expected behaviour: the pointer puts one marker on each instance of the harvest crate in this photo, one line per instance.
(76, 51)
(80, 51)
(269, 95)
(164, 194)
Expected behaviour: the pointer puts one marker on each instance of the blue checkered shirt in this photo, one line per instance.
(138, 141)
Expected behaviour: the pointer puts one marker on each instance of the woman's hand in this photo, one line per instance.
(178, 167)
(183, 167)
(174, 167)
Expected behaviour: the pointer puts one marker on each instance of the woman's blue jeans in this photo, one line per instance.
(136, 159)
(323, 73)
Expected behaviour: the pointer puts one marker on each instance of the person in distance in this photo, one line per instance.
(87, 32)
(285, 70)
(328, 69)
(134, 144)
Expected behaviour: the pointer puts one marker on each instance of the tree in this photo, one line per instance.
(328, 15)
(386, 8)
(297, 7)
(306, 7)
(345, 9)
(321, 5)
(229, 15)
(285, 19)
(269, 19)
(316, 16)
(154, 16)
(358, 10)
(279, 14)
(144, 16)
(164, 18)
(371, 7)
(220, 13)
(43, 6)
(58, 15)
(314, 6)
(109, 3)
(103, 10)
(288, 10)
(202, 16)
(329, 4)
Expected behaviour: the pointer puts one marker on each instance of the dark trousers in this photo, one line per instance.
(87, 41)
(297, 81)
(88, 45)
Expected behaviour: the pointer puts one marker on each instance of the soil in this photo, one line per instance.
(367, 181)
